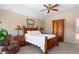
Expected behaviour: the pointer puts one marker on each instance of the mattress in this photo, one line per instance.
(38, 40)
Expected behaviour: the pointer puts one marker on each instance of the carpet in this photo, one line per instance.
(63, 48)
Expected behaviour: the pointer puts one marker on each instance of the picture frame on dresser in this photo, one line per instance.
(30, 23)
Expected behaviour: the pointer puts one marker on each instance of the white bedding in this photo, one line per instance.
(38, 40)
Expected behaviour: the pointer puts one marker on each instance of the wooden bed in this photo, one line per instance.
(48, 43)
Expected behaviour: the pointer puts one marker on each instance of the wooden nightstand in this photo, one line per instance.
(20, 39)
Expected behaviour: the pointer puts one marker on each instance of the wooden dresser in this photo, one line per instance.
(20, 39)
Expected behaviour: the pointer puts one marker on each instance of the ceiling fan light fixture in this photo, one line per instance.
(50, 7)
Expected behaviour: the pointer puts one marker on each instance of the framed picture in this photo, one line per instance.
(30, 23)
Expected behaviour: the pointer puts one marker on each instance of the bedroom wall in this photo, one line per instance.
(77, 25)
(77, 30)
(70, 26)
(10, 20)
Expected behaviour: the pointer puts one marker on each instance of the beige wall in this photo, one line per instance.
(11, 20)
(70, 26)
(77, 29)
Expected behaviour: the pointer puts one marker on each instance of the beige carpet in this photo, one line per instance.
(63, 48)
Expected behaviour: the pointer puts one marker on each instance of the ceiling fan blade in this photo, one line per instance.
(55, 9)
(43, 10)
(55, 5)
(48, 11)
(45, 6)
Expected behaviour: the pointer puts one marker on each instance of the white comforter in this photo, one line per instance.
(38, 40)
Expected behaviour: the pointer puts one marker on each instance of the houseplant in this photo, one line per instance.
(3, 33)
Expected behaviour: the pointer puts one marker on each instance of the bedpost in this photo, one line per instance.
(57, 41)
(23, 30)
(46, 49)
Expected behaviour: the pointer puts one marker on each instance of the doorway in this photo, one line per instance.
(58, 29)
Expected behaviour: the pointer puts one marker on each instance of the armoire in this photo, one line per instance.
(58, 29)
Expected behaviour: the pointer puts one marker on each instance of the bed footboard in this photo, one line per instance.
(46, 46)
(49, 43)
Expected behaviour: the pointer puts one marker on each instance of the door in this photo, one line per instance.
(58, 29)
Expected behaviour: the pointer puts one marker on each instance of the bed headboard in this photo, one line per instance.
(25, 29)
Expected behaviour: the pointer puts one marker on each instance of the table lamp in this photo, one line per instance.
(18, 28)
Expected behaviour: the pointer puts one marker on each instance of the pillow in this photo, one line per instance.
(36, 32)
(33, 32)
(29, 31)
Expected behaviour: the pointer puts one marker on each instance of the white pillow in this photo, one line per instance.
(29, 31)
(34, 32)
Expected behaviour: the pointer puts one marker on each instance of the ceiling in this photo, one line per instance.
(34, 9)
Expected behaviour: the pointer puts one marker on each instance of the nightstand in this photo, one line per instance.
(20, 39)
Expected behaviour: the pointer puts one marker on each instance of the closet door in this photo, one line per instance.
(58, 29)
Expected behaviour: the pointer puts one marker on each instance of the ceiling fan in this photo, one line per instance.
(50, 7)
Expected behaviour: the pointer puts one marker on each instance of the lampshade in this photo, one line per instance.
(18, 27)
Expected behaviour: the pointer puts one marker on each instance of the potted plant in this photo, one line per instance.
(3, 33)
